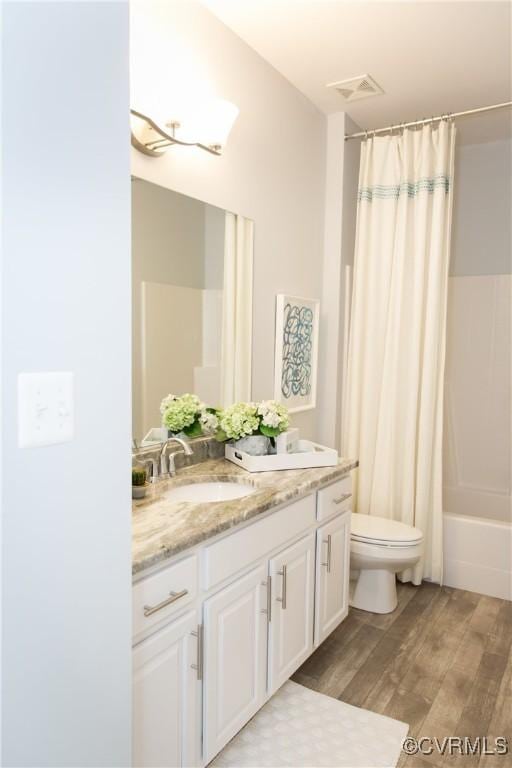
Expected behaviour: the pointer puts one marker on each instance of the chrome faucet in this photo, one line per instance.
(160, 468)
(169, 467)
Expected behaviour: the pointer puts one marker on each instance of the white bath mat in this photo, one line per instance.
(299, 727)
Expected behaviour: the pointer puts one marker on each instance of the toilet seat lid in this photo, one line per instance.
(381, 530)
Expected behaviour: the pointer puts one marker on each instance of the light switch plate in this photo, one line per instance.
(45, 409)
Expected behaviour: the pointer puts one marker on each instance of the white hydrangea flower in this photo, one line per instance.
(180, 412)
(273, 415)
(166, 403)
(209, 422)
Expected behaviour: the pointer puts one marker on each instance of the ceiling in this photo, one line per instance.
(430, 57)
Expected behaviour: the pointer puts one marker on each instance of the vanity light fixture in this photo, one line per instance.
(213, 122)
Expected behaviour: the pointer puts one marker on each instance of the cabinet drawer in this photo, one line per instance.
(334, 499)
(233, 553)
(160, 596)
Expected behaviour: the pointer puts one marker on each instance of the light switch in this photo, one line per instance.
(45, 409)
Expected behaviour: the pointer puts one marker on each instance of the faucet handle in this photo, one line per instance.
(172, 462)
(153, 466)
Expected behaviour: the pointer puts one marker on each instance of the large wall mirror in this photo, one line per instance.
(192, 302)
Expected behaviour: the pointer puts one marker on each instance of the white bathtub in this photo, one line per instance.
(478, 555)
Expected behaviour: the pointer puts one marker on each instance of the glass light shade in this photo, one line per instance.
(219, 120)
(209, 123)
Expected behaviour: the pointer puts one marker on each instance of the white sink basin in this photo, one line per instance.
(200, 492)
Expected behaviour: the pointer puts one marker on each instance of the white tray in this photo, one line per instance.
(308, 455)
(154, 436)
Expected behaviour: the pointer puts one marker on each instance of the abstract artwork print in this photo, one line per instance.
(296, 352)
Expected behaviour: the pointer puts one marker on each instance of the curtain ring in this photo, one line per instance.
(366, 135)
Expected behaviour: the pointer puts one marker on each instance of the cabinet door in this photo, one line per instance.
(291, 625)
(235, 648)
(332, 575)
(165, 689)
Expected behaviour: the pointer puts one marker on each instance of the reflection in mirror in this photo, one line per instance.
(192, 302)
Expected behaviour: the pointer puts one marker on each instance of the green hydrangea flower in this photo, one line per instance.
(239, 420)
(181, 412)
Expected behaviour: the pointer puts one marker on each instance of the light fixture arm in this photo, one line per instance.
(155, 145)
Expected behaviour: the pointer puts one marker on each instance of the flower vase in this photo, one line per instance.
(254, 445)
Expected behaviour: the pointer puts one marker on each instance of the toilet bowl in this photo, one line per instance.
(380, 548)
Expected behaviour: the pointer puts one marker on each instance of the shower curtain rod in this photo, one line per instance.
(373, 132)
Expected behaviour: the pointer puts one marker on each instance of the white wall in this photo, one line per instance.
(168, 236)
(342, 172)
(477, 436)
(329, 353)
(272, 170)
(482, 225)
(351, 157)
(66, 306)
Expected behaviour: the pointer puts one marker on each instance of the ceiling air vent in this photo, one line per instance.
(357, 88)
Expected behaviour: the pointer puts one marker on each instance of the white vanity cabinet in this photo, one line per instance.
(292, 574)
(332, 575)
(235, 658)
(265, 594)
(166, 726)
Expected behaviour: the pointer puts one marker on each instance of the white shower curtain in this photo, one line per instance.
(236, 352)
(393, 399)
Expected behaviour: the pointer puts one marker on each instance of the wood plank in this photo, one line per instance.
(501, 633)
(471, 649)
(425, 603)
(369, 674)
(439, 647)
(411, 708)
(326, 653)
(447, 707)
(478, 710)
(414, 625)
(350, 658)
(501, 722)
(485, 614)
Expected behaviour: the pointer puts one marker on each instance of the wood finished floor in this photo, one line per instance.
(442, 662)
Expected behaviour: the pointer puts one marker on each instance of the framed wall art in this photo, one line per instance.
(296, 352)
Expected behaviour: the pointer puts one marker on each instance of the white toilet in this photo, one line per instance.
(380, 548)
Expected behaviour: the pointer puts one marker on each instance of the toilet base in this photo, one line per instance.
(375, 591)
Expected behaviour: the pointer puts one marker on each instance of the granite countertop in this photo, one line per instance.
(163, 528)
